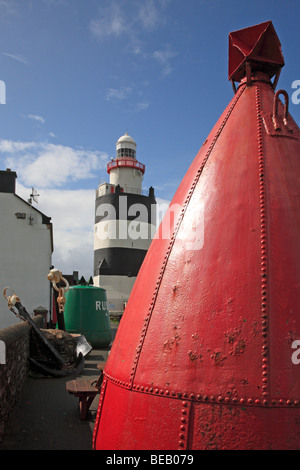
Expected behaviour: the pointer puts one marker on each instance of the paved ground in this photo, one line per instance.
(46, 416)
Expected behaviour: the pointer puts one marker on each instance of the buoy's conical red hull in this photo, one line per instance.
(203, 356)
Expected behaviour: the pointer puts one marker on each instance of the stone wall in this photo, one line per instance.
(13, 373)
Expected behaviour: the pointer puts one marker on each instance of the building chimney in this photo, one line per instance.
(8, 181)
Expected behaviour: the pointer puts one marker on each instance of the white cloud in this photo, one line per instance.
(161, 209)
(48, 168)
(141, 106)
(18, 58)
(114, 20)
(111, 22)
(8, 7)
(35, 117)
(164, 57)
(149, 15)
(47, 165)
(130, 24)
(11, 146)
(115, 95)
(120, 93)
(72, 216)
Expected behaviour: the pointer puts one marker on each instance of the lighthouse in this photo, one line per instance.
(125, 223)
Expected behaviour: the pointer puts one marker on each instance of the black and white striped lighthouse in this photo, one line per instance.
(125, 223)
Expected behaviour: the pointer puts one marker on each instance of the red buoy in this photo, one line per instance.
(205, 356)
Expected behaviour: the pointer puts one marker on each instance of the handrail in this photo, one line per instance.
(125, 164)
(110, 189)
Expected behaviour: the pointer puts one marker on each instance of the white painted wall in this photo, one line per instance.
(117, 288)
(127, 178)
(123, 234)
(25, 257)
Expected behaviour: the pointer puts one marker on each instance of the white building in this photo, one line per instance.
(26, 246)
(125, 223)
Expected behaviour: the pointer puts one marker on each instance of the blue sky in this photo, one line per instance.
(78, 73)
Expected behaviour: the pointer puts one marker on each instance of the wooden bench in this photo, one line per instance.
(86, 391)
(101, 365)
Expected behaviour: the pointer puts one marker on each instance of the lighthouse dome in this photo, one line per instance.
(126, 139)
(126, 146)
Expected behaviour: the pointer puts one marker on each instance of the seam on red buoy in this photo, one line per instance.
(264, 251)
(99, 410)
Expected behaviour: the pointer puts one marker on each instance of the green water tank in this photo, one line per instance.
(86, 313)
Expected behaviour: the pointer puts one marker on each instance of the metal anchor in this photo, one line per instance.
(55, 276)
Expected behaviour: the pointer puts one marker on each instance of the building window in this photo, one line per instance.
(126, 153)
